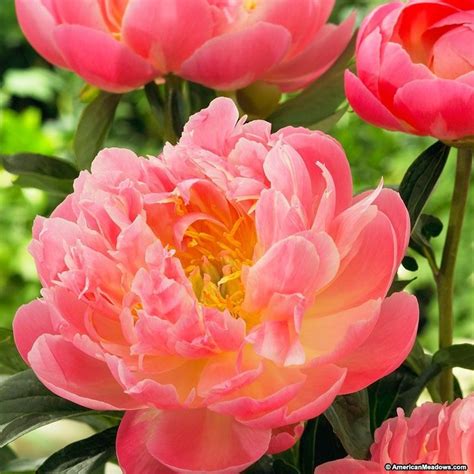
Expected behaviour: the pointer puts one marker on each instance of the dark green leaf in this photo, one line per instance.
(317, 102)
(25, 404)
(25, 466)
(428, 226)
(410, 264)
(34, 164)
(349, 416)
(94, 125)
(6, 455)
(458, 355)
(10, 360)
(283, 467)
(399, 285)
(328, 447)
(421, 178)
(82, 457)
(308, 447)
(59, 187)
(262, 466)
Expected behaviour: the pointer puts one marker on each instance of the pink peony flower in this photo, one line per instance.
(415, 67)
(119, 45)
(223, 292)
(433, 434)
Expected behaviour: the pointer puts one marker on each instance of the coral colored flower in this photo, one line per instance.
(415, 69)
(433, 434)
(223, 292)
(119, 45)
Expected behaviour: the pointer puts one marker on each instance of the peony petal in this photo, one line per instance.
(31, 321)
(166, 31)
(348, 466)
(395, 332)
(367, 105)
(441, 108)
(71, 374)
(236, 59)
(38, 25)
(186, 441)
(101, 60)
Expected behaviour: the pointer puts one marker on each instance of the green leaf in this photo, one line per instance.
(349, 416)
(308, 447)
(35, 164)
(458, 355)
(283, 467)
(319, 101)
(410, 264)
(58, 187)
(26, 466)
(6, 455)
(328, 447)
(82, 457)
(421, 178)
(26, 404)
(10, 360)
(94, 125)
(399, 285)
(262, 466)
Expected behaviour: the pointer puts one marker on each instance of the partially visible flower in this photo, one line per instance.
(415, 69)
(224, 292)
(119, 45)
(433, 434)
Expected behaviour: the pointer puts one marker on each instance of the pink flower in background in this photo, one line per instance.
(222, 293)
(433, 434)
(415, 69)
(119, 45)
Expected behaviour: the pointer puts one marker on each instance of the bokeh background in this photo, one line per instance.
(39, 110)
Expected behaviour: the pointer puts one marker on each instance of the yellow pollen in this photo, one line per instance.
(250, 5)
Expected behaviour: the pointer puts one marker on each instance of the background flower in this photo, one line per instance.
(433, 434)
(223, 292)
(119, 45)
(415, 69)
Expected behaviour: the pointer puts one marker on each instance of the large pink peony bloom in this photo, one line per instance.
(225, 292)
(415, 67)
(433, 434)
(119, 45)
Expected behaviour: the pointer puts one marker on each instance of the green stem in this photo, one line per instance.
(445, 277)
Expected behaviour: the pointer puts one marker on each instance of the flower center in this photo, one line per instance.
(212, 255)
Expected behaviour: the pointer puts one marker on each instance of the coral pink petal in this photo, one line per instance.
(38, 25)
(132, 438)
(316, 59)
(348, 466)
(290, 266)
(166, 31)
(366, 272)
(367, 105)
(285, 438)
(74, 375)
(201, 441)
(31, 321)
(395, 332)
(236, 59)
(441, 108)
(85, 13)
(101, 60)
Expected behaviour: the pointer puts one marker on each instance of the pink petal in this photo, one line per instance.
(203, 441)
(441, 108)
(316, 59)
(38, 25)
(66, 371)
(31, 321)
(236, 59)
(290, 266)
(285, 438)
(166, 31)
(101, 60)
(132, 437)
(366, 272)
(367, 105)
(395, 332)
(348, 466)
(85, 13)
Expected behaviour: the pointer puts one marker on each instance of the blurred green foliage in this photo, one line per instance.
(39, 110)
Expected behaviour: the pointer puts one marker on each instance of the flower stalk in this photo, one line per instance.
(445, 275)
